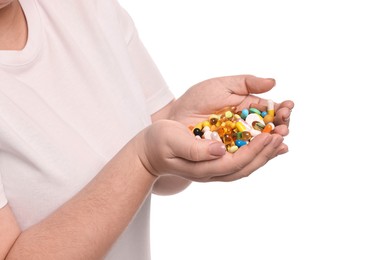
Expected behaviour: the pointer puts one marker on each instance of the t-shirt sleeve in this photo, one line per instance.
(156, 91)
(3, 199)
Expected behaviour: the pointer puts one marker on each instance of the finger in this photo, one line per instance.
(260, 105)
(188, 147)
(275, 148)
(225, 165)
(283, 111)
(282, 116)
(247, 84)
(282, 130)
(287, 103)
(282, 149)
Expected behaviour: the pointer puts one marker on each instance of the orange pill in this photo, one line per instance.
(268, 118)
(268, 128)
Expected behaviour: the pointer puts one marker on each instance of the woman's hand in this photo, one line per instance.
(211, 95)
(168, 147)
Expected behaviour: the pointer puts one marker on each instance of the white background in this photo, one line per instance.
(329, 197)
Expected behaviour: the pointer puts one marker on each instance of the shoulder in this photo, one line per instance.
(106, 14)
(86, 7)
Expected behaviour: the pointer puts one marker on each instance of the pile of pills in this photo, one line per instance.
(236, 129)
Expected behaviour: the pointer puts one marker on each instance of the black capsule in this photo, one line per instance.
(198, 132)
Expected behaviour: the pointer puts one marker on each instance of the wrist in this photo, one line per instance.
(170, 184)
(137, 149)
(165, 113)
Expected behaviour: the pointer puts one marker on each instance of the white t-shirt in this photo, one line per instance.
(81, 88)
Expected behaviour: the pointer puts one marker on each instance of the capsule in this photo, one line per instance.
(268, 119)
(206, 123)
(232, 149)
(270, 112)
(246, 136)
(227, 139)
(240, 143)
(253, 117)
(197, 132)
(244, 113)
(213, 121)
(236, 129)
(206, 133)
(246, 125)
(199, 125)
(215, 136)
(268, 128)
(257, 125)
(270, 108)
(254, 111)
(240, 127)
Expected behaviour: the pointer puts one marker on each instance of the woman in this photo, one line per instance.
(89, 128)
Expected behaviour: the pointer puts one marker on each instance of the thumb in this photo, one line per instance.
(193, 149)
(247, 84)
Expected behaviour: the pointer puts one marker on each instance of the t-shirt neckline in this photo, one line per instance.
(34, 40)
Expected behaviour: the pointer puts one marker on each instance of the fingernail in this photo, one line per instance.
(217, 149)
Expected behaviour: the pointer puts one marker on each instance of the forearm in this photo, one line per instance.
(87, 225)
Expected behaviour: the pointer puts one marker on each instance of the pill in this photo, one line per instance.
(268, 128)
(240, 143)
(215, 136)
(236, 129)
(253, 117)
(244, 113)
(197, 132)
(232, 149)
(254, 110)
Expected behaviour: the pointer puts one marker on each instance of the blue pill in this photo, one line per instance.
(240, 143)
(244, 113)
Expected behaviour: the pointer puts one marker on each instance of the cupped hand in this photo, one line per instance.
(212, 95)
(168, 147)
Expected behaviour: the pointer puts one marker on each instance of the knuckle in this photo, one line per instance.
(194, 151)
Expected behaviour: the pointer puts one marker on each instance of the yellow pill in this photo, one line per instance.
(270, 108)
(221, 131)
(240, 127)
(199, 125)
(230, 124)
(268, 118)
(228, 114)
(206, 123)
(232, 149)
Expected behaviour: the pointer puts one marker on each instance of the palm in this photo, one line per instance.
(213, 95)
